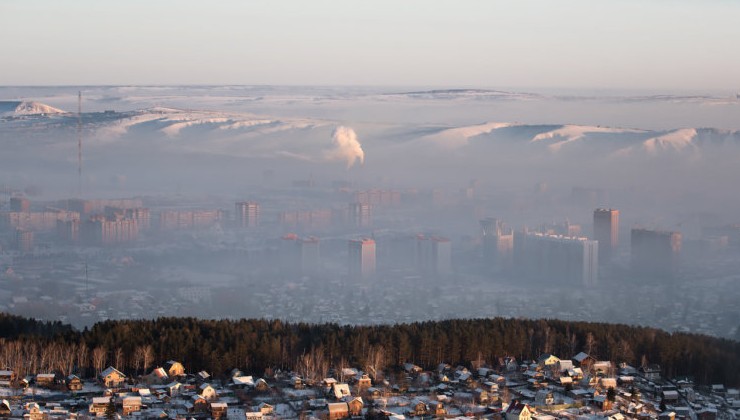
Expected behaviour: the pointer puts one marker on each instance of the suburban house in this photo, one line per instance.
(73, 383)
(338, 411)
(112, 377)
(241, 382)
(650, 372)
(158, 376)
(7, 377)
(355, 406)
(99, 405)
(173, 389)
(4, 408)
(340, 391)
(46, 380)
(174, 369)
(439, 409)
(418, 408)
(131, 405)
(261, 385)
(583, 360)
(547, 360)
(264, 408)
(207, 392)
(218, 410)
(35, 412)
(364, 382)
(518, 411)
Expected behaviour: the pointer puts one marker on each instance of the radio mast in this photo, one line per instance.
(79, 144)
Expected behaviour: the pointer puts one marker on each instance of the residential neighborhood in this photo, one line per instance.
(580, 387)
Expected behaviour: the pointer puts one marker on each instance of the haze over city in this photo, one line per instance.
(378, 163)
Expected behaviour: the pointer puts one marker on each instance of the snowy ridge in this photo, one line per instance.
(19, 108)
(571, 133)
(677, 140)
(458, 137)
(172, 121)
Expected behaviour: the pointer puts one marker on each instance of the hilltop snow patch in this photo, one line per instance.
(18, 108)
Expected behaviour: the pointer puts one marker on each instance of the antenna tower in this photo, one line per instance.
(79, 144)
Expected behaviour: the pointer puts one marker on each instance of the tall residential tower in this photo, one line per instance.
(606, 231)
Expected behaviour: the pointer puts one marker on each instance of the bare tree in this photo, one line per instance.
(68, 359)
(118, 357)
(590, 344)
(313, 366)
(147, 357)
(82, 358)
(375, 362)
(99, 357)
(343, 364)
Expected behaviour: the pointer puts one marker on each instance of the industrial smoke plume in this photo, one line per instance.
(346, 146)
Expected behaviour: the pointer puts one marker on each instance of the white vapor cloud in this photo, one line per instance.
(346, 147)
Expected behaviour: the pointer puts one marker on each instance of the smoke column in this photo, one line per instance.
(346, 146)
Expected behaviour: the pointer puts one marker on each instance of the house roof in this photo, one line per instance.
(243, 380)
(111, 370)
(580, 357)
(341, 390)
(338, 407)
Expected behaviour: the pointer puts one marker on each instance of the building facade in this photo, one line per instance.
(361, 258)
(606, 232)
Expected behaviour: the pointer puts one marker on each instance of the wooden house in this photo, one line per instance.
(99, 406)
(174, 369)
(73, 383)
(418, 408)
(218, 410)
(4, 408)
(518, 411)
(112, 377)
(131, 404)
(207, 392)
(46, 380)
(364, 382)
(35, 412)
(7, 378)
(355, 406)
(338, 411)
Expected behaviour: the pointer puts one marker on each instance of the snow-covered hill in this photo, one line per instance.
(19, 108)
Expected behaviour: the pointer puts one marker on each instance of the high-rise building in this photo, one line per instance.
(360, 214)
(498, 243)
(299, 256)
(556, 258)
(247, 214)
(20, 204)
(23, 240)
(189, 219)
(361, 258)
(310, 255)
(433, 255)
(68, 230)
(101, 231)
(654, 253)
(606, 232)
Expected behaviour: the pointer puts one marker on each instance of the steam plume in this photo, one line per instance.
(346, 146)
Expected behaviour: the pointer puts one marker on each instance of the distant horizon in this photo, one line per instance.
(553, 90)
(625, 44)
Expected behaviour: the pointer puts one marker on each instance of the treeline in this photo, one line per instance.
(256, 345)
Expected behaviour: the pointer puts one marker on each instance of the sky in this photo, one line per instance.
(572, 44)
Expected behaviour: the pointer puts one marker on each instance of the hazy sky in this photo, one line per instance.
(632, 44)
